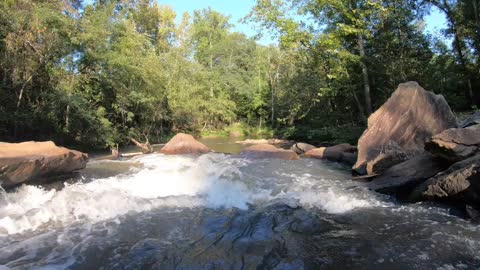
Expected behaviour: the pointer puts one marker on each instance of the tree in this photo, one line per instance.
(458, 23)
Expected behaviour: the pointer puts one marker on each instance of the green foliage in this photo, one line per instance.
(93, 75)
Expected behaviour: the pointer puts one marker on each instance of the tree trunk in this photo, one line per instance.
(360, 107)
(457, 44)
(67, 122)
(22, 90)
(366, 83)
(273, 105)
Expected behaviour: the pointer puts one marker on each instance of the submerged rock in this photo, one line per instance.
(184, 144)
(340, 153)
(269, 237)
(409, 117)
(455, 144)
(403, 177)
(302, 148)
(29, 161)
(460, 182)
(268, 151)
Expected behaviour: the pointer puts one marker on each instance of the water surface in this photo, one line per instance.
(219, 211)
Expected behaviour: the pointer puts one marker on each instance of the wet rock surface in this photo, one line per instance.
(218, 211)
(275, 236)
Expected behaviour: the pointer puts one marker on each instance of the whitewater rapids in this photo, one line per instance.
(224, 211)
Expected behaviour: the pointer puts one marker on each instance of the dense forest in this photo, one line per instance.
(95, 74)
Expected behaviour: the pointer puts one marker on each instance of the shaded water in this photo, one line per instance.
(222, 211)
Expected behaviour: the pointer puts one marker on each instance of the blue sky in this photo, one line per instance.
(237, 9)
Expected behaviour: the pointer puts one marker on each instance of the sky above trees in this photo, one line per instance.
(238, 9)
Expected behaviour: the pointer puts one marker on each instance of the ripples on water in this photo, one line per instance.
(223, 211)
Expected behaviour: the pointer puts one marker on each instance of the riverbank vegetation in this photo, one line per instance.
(94, 75)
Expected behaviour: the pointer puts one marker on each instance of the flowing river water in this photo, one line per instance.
(223, 211)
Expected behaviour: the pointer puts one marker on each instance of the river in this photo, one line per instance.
(223, 211)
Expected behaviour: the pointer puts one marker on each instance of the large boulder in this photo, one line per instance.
(184, 144)
(27, 161)
(460, 182)
(400, 179)
(344, 153)
(268, 151)
(409, 117)
(455, 144)
(302, 148)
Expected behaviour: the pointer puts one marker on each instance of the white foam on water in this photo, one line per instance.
(212, 180)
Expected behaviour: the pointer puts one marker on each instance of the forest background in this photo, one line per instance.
(94, 74)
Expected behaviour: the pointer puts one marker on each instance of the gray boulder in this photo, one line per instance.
(460, 182)
(409, 117)
(403, 177)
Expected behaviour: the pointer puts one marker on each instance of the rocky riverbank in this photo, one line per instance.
(415, 149)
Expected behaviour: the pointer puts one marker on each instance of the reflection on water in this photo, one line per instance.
(222, 211)
(223, 145)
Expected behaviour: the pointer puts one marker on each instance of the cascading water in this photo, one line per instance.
(224, 211)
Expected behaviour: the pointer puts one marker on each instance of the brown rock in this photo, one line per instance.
(404, 176)
(184, 144)
(460, 182)
(390, 155)
(316, 153)
(27, 161)
(455, 144)
(268, 151)
(301, 148)
(409, 117)
(349, 158)
(339, 153)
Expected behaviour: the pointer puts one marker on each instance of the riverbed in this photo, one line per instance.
(224, 211)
